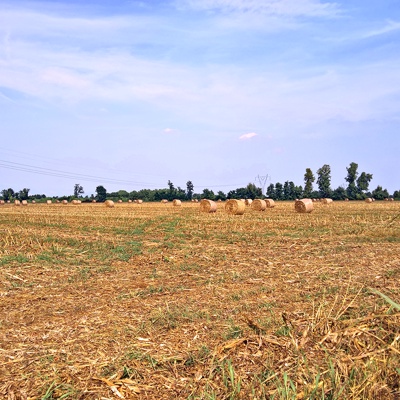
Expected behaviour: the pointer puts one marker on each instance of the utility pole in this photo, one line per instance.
(262, 181)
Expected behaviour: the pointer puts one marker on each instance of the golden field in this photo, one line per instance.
(151, 301)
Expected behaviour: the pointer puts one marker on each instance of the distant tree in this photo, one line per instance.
(324, 181)
(252, 191)
(78, 190)
(208, 194)
(298, 192)
(171, 186)
(24, 194)
(189, 190)
(396, 194)
(309, 178)
(123, 194)
(220, 196)
(380, 194)
(8, 194)
(278, 191)
(363, 182)
(271, 191)
(339, 194)
(101, 194)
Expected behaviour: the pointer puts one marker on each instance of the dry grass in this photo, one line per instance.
(142, 303)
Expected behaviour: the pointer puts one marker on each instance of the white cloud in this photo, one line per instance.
(247, 136)
(292, 8)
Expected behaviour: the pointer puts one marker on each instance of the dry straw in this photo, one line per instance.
(270, 203)
(304, 206)
(208, 206)
(248, 202)
(327, 201)
(259, 205)
(177, 203)
(235, 207)
(109, 203)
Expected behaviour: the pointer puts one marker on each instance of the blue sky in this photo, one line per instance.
(131, 94)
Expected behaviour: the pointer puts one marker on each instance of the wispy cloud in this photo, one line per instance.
(390, 26)
(248, 136)
(292, 8)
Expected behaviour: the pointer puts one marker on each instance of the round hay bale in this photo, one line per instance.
(248, 202)
(391, 199)
(244, 201)
(129, 201)
(17, 202)
(24, 203)
(208, 206)
(373, 199)
(64, 202)
(75, 202)
(386, 199)
(368, 200)
(270, 203)
(304, 206)
(176, 203)
(33, 201)
(164, 201)
(2, 201)
(219, 200)
(109, 203)
(327, 201)
(119, 201)
(235, 207)
(94, 201)
(140, 201)
(48, 201)
(346, 199)
(259, 205)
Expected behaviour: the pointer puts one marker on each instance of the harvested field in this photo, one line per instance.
(145, 303)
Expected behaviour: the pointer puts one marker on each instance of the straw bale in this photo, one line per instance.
(24, 203)
(17, 202)
(65, 202)
(33, 201)
(248, 202)
(75, 202)
(164, 201)
(270, 203)
(346, 199)
(2, 201)
(48, 202)
(94, 201)
(140, 201)
(368, 200)
(373, 199)
(386, 199)
(391, 199)
(119, 201)
(208, 206)
(304, 206)
(177, 203)
(327, 201)
(259, 205)
(235, 207)
(109, 203)
(129, 201)
(8, 201)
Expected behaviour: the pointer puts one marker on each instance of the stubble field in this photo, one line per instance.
(151, 301)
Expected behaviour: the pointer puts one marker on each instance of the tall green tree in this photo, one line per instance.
(363, 182)
(252, 191)
(78, 190)
(351, 190)
(208, 194)
(324, 181)
(309, 178)
(271, 191)
(101, 194)
(189, 190)
(379, 193)
(24, 194)
(8, 194)
(278, 191)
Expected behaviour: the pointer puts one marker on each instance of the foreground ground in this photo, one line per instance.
(152, 301)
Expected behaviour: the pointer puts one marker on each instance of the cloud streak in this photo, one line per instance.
(248, 136)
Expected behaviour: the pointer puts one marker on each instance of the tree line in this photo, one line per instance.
(357, 189)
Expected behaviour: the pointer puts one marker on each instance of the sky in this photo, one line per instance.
(133, 94)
